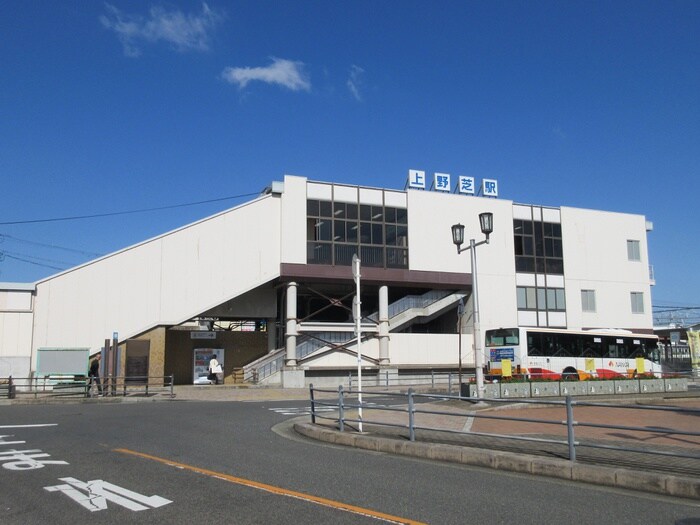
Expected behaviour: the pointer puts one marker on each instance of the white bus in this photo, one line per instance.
(545, 353)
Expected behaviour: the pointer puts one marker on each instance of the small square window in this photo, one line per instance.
(637, 299)
(588, 300)
(633, 251)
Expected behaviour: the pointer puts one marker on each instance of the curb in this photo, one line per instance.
(657, 483)
(48, 400)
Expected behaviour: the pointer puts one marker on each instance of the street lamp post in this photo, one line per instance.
(486, 222)
(460, 315)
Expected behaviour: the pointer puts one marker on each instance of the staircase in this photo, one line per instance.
(401, 313)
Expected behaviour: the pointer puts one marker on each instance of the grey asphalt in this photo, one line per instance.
(253, 438)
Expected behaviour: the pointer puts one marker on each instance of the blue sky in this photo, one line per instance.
(127, 105)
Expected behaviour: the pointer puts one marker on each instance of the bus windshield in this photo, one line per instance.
(502, 337)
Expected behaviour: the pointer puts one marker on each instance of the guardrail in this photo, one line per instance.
(408, 411)
(110, 386)
(450, 380)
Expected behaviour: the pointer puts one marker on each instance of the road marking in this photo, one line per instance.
(296, 411)
(30, 426)
(275, 490)
(99, 492)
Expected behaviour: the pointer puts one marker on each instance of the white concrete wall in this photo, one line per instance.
(430, 349)
(595, 258)
(293, 221)
(430, 217)
(163, 281)
(15, 342)
(408, 350)
(16, 317)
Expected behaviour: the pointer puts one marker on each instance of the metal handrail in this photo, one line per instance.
(410, 408)
(108, 386)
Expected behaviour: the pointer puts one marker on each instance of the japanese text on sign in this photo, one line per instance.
(442, 182)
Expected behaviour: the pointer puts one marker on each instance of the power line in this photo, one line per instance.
(659, 309)
(33, 257)
(33, 262)
(53, 246)
(128, 212)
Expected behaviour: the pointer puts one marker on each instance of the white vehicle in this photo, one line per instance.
(545, 353)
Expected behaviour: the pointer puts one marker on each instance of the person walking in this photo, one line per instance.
(94, 374)
(216, 373)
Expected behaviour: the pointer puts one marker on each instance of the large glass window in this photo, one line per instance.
(542, 299)
(538, 247)
(337, 230)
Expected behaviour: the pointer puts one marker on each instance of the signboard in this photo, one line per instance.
(442, 182)
(489, 188)
(506, 368)
(694, 343)
(499, 354)
(62, 361)
(416, 179)
(466, 185)
(202, 335)
(202, 356)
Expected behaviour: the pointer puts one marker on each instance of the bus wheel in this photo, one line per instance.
(569, 374)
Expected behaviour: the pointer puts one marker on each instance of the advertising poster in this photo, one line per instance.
(202, 356)
(694, 343)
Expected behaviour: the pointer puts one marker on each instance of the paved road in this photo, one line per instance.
(238, 462)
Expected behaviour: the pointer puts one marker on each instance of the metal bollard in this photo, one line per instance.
(11, 389)
(570, 428)
(313, 405)
(411, 417)
(341, 410)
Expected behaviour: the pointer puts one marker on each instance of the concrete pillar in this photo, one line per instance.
(291, 331)
(271, 334)
(383, 326)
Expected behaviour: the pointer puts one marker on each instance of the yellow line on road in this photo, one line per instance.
(275, 490)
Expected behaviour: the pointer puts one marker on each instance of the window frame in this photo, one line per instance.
(377, 233)
(588, 301)
(634, 253)
(637, 302)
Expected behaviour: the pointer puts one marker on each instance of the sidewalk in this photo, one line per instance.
(459, 435)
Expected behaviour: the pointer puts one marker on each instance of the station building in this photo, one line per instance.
(269, 284)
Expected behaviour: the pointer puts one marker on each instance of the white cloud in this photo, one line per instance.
(183, 31)
(355, 81)
(285, 73)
